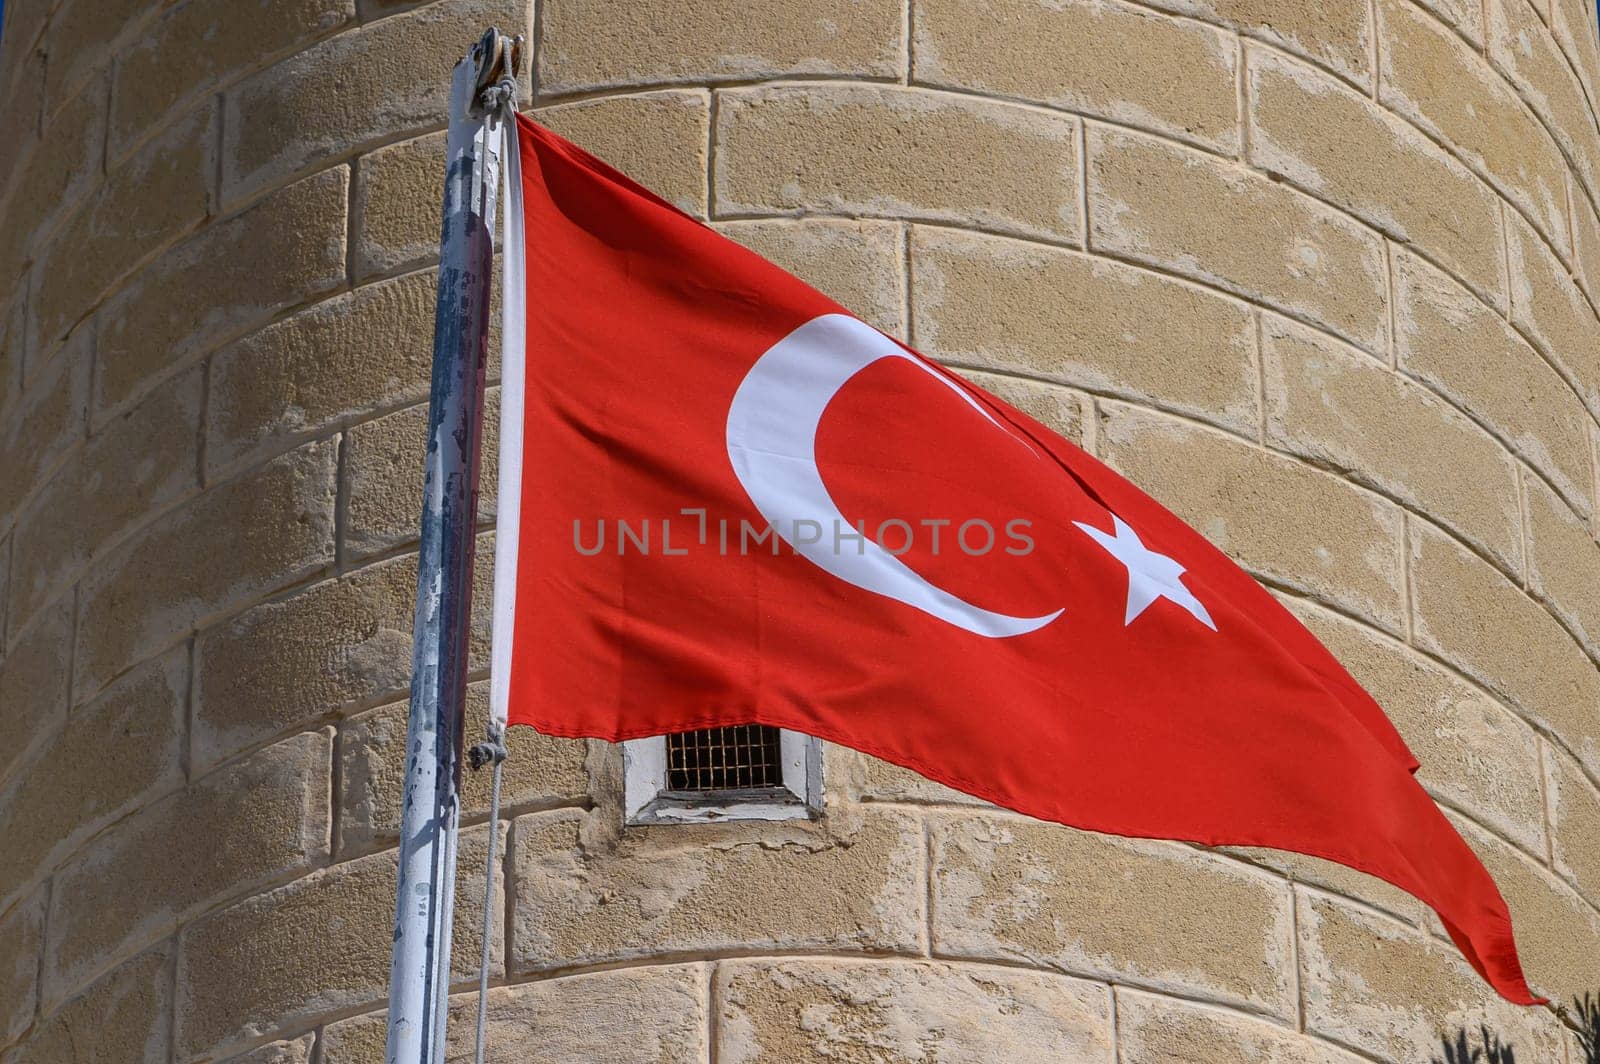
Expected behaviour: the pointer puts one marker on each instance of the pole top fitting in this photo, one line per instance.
(497, 60)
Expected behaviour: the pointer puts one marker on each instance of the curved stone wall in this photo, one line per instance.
(1322, 276)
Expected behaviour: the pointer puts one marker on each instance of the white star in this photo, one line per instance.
(1151, 576)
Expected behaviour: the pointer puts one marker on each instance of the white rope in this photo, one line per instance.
(491, 751)
(500, 101)
(513, 331)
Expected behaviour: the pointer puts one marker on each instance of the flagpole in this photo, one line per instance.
(419, 975)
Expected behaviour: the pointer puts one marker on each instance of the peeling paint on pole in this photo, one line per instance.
(420, 969)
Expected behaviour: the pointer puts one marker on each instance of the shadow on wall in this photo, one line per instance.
(1461, 1051)
(1584, 1016)
(1587, 1015)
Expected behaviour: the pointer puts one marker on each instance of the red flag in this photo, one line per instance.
(724, 500)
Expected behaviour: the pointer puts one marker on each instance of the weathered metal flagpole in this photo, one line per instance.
(419, 976)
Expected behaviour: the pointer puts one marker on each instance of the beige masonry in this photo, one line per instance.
(1321, 275)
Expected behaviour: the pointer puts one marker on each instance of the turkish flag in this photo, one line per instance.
(724, 500)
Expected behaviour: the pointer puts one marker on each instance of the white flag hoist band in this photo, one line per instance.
(481, 138)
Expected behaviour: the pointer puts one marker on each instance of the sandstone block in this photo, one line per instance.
(1586, 250)
(653, 1013)
(1178, 78)
(1465, 17)
(283, 664)
(1574, 823)
(858, 264)
(135, 463)
(345, 357)
(1336, 36)
(777, 1012)
(319, 944)
(234, 543)
(897, 153)
(195, 46)
(658, 138)
(23, 84)
(51, 417)
(1520, 45)
(1563, 562)
(295, 1051)
(75, 787)
(1342, 147)
(1243, 499)
(1444, 85)
(234, 274)
(334, 647)
(396, 205)
(1548, 305)
(146, 203)
(77, 37)
(990, 303)
(1570, 22)
(55, 176)
(593, 44)
(13, 341)
(855, 776)
(1336, 879)
(383, 461)
(125, 1018)
(308, 108)
(585, 894)
(1447, 338)
(1345, 411)
(267, 817)
(1255, 238)
(1156, 1030)
(1475, 618)
(372, 759)
(1389, 990)
(21, 945)
(23, 30)
(1474, 752)
(1153, 914)
(34, 678)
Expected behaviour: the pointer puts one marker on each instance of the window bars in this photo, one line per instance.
(745, 756)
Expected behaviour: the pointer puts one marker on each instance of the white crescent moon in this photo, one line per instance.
(772, 438)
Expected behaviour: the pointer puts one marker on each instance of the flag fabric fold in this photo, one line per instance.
(725, 500)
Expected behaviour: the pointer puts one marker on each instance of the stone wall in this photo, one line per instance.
(1319, 274)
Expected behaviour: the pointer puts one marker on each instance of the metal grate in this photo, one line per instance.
(721, 759)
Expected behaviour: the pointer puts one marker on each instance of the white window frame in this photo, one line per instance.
(646, 799)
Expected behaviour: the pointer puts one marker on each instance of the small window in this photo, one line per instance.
(744, 772)
(725, 759)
